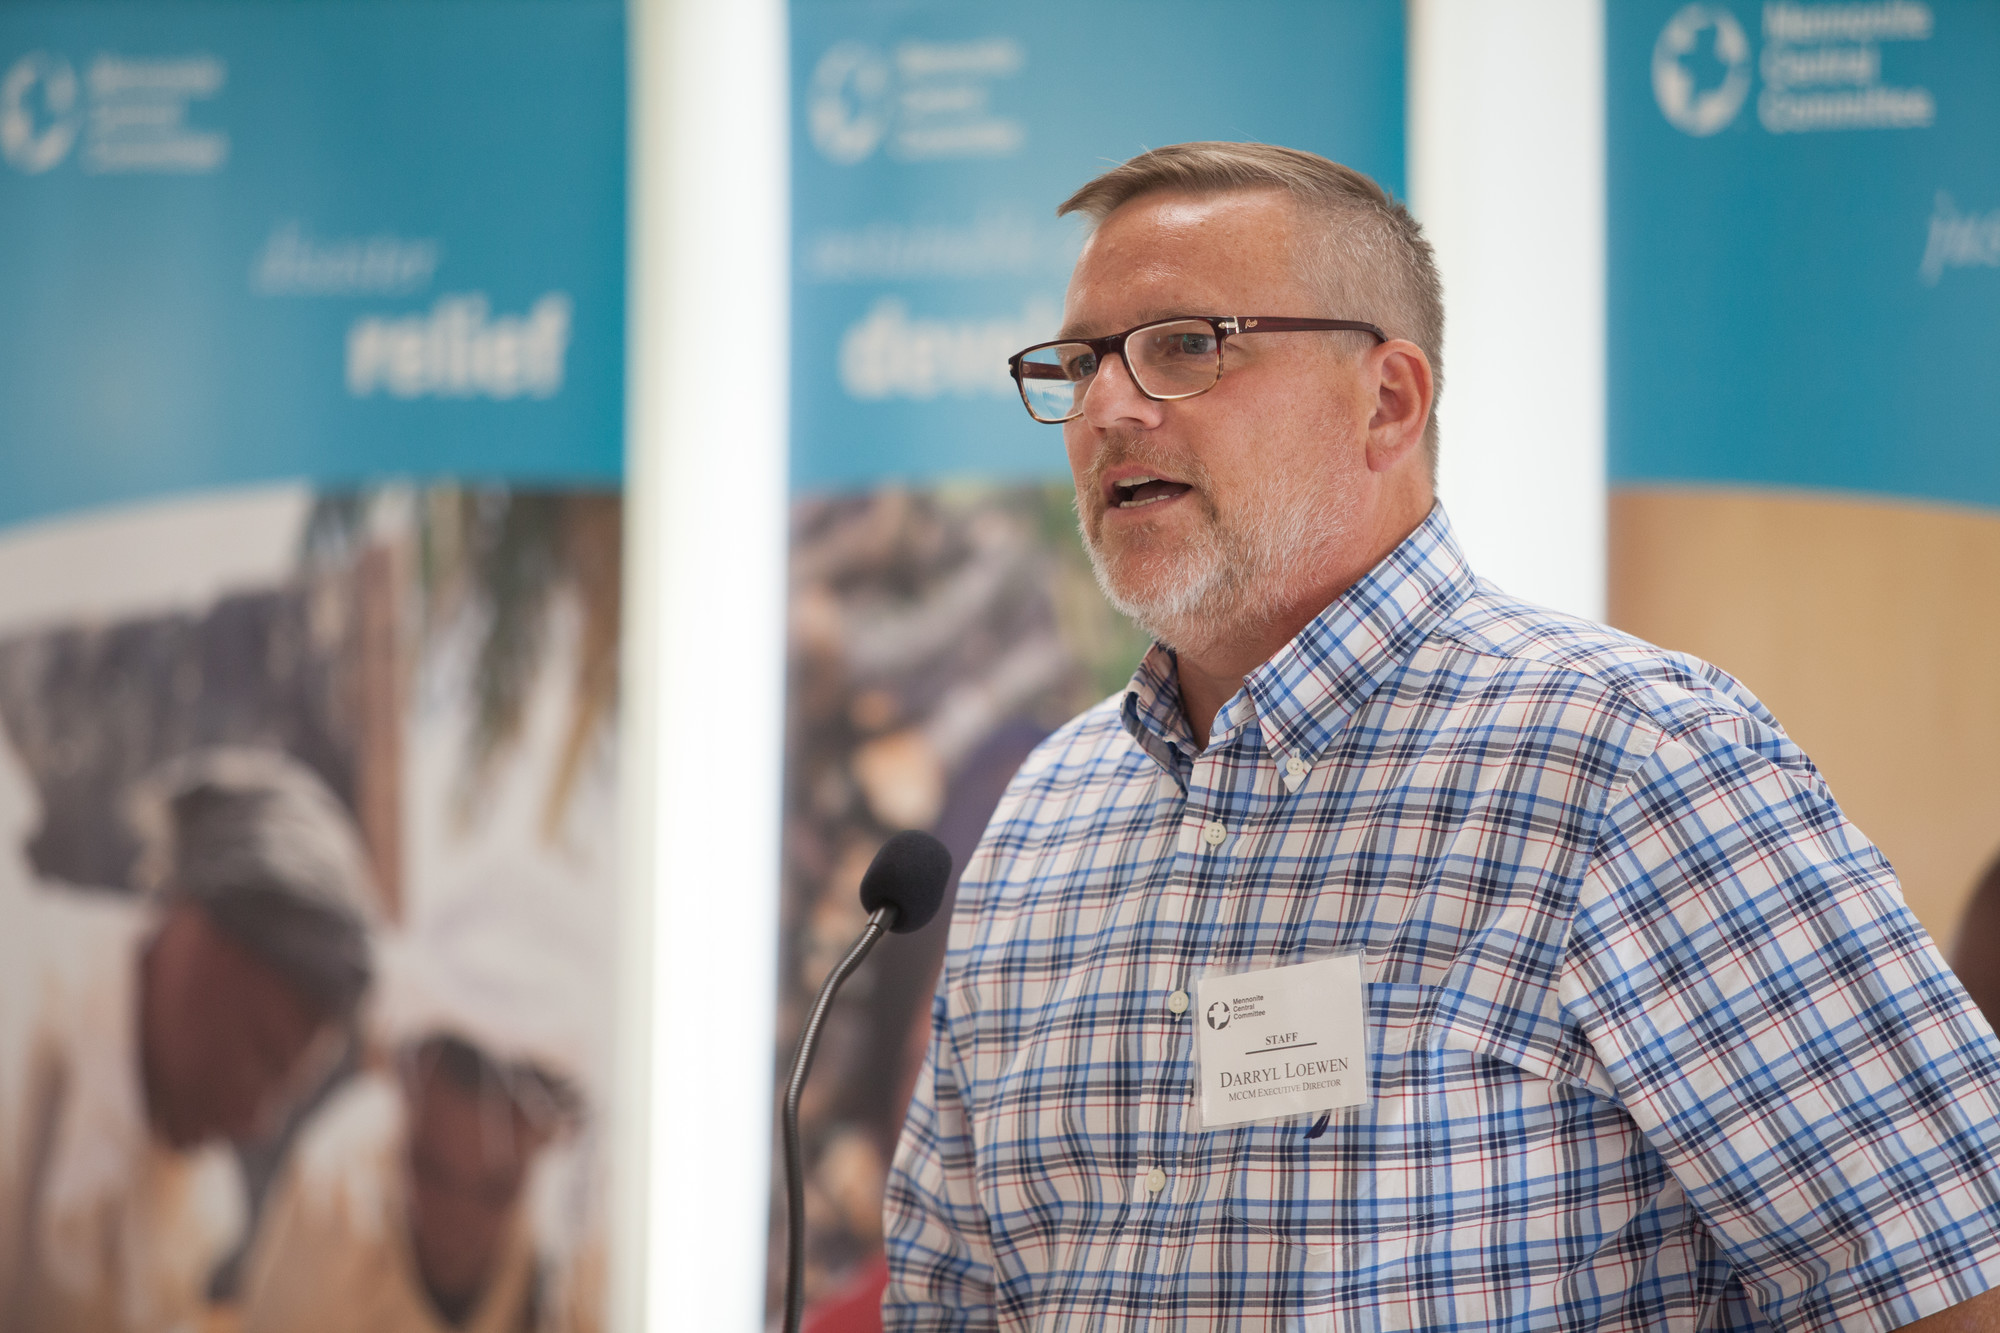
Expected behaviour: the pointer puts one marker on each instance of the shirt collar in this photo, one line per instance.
(1153, 712)
(1307, 691)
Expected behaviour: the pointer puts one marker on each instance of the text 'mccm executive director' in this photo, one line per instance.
(1394, 953)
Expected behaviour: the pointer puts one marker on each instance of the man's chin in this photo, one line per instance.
(1165, 609)
(1173, 589)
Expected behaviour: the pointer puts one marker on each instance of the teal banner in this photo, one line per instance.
(931, 144)
(1804, 239)
(944, 618)
(332, 241)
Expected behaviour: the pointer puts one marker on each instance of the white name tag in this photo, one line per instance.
(1284, 1041)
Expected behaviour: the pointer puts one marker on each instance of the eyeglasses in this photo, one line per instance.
(1168, 359)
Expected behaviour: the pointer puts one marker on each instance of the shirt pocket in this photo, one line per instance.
(1477, 1141)
(1363, 1171)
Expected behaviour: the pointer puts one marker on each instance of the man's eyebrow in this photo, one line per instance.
(1075, 331)
(1146, 317)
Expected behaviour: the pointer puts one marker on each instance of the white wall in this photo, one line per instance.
(1507, 176)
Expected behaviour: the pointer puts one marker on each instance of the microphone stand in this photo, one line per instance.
(883, 919)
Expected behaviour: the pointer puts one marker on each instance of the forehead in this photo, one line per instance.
(1164, 254)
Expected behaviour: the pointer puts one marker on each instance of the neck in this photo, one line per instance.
(1212, 666)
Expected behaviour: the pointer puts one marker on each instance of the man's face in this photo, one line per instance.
(1254, 482)
(224, 1039)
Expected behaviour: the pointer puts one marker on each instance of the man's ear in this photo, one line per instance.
(1399, 374)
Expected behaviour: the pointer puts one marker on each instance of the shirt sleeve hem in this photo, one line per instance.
(1929, 1293)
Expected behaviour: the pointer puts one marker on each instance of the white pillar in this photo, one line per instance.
(704, 661)
(1507, 176)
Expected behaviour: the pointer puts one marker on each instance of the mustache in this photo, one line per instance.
(1117, 451)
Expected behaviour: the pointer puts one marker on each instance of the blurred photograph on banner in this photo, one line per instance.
(943, 615)
(1804, 247)
(936, 637)
(306, 847)
(311, 447)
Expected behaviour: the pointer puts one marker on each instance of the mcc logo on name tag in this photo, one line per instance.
(1283, 1041)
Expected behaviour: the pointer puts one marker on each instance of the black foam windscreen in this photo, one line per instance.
(910, 874)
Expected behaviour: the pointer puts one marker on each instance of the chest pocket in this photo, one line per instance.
(1359, 1172)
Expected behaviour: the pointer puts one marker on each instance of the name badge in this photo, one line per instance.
(1284, 1041)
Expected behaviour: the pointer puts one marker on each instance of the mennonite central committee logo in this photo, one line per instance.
(1689, 95)
(925, 101)
(1218, 1015)
(849, 102)
(39, 111)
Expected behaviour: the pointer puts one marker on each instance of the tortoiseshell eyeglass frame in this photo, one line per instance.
(1224, 326)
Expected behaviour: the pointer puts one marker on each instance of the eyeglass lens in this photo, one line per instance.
(1177, 359)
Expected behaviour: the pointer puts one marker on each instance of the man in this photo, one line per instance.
(139, 1038)
(405, 1207)
(1614, 1021)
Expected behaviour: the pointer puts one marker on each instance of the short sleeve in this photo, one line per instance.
(1788, 1038)
(935, 1232)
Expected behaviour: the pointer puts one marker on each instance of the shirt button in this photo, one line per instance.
(1177, 1003)
(1296, 766)
(1156, 1180)
(1214, 833)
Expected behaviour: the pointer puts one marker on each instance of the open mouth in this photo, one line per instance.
(1137, 492)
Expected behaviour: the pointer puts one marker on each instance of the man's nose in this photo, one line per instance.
(1112, 398)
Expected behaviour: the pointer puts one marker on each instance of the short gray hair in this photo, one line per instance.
(1371, 262)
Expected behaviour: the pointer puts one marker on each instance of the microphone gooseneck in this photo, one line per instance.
(902, 890)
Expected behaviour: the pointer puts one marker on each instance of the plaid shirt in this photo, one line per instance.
(1653, 1041)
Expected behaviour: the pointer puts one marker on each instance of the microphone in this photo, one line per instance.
(902, 891)
(908, 876)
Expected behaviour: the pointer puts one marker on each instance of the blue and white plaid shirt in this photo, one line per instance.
(1654, 1042)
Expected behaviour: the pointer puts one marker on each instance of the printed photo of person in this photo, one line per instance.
(410, 1191)
(307, 901)
(139, 1037)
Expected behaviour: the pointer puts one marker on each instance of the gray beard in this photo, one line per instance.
(1230, 580)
